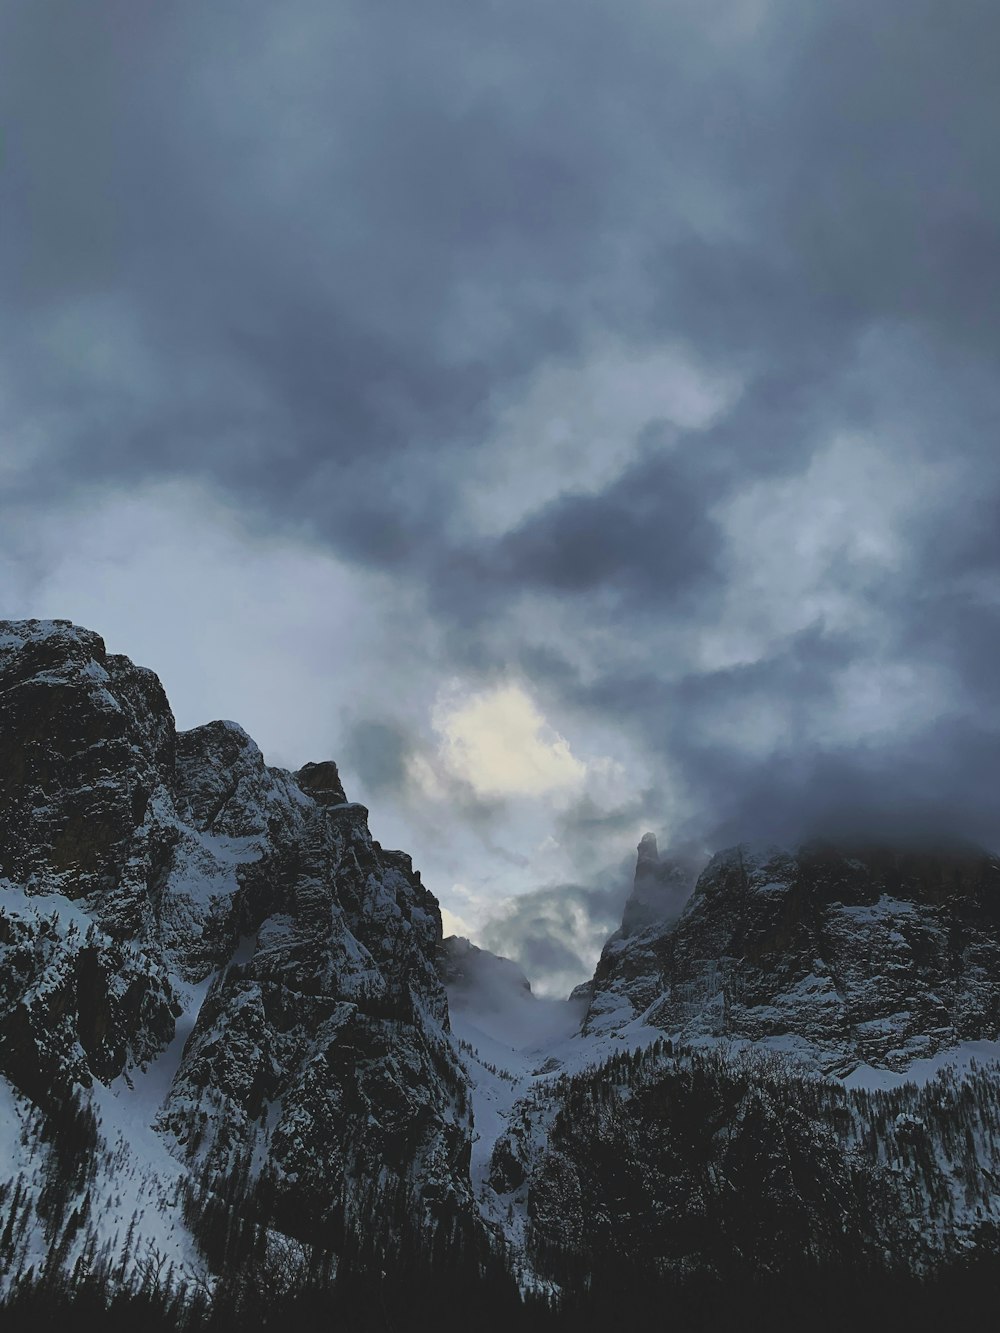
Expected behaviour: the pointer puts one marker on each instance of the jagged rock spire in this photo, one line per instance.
(660, 889)
(648, 850)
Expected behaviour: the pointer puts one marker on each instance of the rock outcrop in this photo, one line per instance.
(142, 869)
(629, 976)
(660, 890)
(841, 955)
(74, 1005)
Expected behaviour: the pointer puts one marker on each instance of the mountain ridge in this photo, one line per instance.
(199, 876)
(878, 955)
(237, 1056)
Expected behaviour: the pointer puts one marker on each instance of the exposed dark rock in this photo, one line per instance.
(322, 782)
(75, 1006)
(333, 1027)
(322, 1051)
(877, 955)
(85, 739)
(507, 1169)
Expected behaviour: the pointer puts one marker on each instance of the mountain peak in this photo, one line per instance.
(660, 889)
(648, 850)
(322, 782)
(478, 973)
(173, 907)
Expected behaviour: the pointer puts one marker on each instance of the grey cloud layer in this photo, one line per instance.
(308, 253)
(556, 933)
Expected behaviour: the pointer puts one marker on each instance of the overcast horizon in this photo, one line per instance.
(574, 419)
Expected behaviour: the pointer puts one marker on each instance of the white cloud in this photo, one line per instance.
(452, 924)
(498, 741)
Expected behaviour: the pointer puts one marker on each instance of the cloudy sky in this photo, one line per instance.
(573, 418)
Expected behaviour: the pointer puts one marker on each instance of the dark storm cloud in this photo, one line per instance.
(308, 253)
(378, 752)
(291, 214)
(648, 536)
(936, 787)
(333, 235)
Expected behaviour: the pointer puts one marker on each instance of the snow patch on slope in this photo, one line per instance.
(968, 1055)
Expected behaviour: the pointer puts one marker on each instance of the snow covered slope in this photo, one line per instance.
(215, 965)
(800, 1066)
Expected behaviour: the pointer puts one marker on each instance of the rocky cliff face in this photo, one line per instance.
(629, 975)
(719, 1146)
(74, 1005)
(842, 955)
(146, 875)
(86, 742)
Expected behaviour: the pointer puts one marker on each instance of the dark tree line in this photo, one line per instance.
(714, 1194)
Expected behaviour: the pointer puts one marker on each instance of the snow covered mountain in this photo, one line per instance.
(215, 959)
(840, 956)
(788, 1059)
(237, 1058)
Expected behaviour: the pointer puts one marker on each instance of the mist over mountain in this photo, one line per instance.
(245, 1078)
